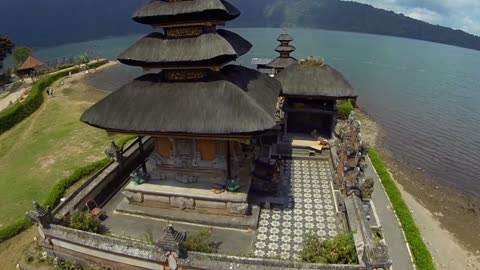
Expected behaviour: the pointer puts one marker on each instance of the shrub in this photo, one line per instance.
(344, 108)
(20, 111)
(339, 250)
(53, 199)
(13, 229)
(421, 255)
(84, 221)
(97, 63)
(200, 241)
(59, 189)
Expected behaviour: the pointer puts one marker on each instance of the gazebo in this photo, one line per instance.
(30, 66)
(311, 90)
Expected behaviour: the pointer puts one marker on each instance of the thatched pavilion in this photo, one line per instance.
(29, 66)
(311, 90)
(203, 114)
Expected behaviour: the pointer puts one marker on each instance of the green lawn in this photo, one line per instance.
(46, 148)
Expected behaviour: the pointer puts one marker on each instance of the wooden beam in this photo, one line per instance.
(319, 111)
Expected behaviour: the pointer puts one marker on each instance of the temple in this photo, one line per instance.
(205, 117)
(242, 154)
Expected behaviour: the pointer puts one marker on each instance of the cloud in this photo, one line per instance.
(458, 14)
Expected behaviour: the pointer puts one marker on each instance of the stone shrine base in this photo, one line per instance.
(199, 196)
(197, 217)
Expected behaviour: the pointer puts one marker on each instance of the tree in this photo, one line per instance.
(6, 46)
(20, 54)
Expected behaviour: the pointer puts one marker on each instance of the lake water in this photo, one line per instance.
(426, 95)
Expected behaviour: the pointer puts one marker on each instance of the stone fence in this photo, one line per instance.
(88, 248)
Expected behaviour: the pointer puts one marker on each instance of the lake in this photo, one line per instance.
(426, 95)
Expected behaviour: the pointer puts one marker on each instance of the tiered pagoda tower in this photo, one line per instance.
(285, 50)
(203, 114)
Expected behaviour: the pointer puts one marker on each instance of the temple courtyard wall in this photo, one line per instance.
(312, 204)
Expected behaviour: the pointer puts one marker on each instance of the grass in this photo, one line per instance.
(46, 148)
(421, 256)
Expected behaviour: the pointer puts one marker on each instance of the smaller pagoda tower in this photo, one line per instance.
(285, 50)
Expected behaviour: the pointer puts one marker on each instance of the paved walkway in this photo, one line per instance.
(13, 97)
(396, 242)
(311, 207)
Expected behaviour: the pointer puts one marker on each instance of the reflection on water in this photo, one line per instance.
(426, 95)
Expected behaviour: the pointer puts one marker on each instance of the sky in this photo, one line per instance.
(457, 14)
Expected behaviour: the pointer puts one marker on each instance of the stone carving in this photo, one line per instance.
(366, 189)
(171, 241)
(140, 177)
(114, 152)
(133, 197)
(40, 215)
(182, 203)
(186, 178)
(183, 32)
(238, 208)
(349, 157)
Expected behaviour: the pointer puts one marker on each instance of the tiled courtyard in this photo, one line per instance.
(311, 207)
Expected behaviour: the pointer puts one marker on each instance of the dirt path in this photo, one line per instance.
(441, 237)
(12, 97)
(11, 251)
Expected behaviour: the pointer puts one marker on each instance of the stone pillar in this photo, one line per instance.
(229, 161)
(142, 153)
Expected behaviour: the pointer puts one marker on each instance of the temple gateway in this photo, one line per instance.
(246, 159)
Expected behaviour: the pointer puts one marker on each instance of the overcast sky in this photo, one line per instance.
(458, 14)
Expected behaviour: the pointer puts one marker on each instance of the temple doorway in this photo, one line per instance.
(307, 122)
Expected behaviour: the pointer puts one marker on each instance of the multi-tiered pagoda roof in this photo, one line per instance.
(285, 50)
(196, 91)
(168, 13)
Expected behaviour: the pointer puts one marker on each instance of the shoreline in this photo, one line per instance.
(446, 217)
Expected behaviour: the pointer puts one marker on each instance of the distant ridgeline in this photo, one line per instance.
(56, 21)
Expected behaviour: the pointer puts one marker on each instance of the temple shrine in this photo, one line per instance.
(217, 152)
(285, 50)
(205, 116)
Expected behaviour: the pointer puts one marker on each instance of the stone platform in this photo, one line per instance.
(247, 222)
(201, 196)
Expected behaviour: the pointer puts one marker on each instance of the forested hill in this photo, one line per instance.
(47, 22)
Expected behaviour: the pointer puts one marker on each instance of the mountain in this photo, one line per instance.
(48, 22)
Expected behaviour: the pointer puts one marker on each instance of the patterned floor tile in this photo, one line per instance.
(310, 207)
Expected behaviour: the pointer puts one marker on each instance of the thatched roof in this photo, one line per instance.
(319, 80)
(158, 12)
(285, 48)
(30, 63)
(157, 50)
(281, 62)
(233, 101)
(285, 38)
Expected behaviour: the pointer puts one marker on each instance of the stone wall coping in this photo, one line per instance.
(91, 184)
(139, 250)
(126, 247)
